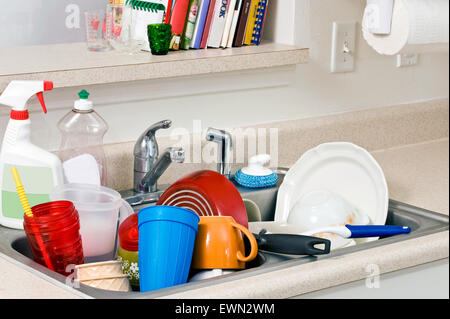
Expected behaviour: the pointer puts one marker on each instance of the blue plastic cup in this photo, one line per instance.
(166, 244)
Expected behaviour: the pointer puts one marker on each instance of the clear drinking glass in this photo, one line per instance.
(97, 31)
(119, 26)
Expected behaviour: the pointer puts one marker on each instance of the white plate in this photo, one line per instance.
(342, 168)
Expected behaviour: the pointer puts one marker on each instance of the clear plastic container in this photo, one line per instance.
(101, 211)
(81, 149)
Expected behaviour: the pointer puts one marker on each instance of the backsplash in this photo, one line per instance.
(373, 129)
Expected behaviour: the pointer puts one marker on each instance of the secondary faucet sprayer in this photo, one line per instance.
(225, 150)
(40, 170)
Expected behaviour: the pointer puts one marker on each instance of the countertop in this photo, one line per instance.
(417, 174)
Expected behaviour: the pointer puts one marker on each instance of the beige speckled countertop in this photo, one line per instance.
(414, 155)
(70, 64)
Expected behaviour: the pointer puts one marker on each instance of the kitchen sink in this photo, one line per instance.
(14, 246)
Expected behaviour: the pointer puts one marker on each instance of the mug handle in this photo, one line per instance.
(253, 244)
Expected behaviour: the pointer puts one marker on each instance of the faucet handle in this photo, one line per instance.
(170, 155)
(177, 154)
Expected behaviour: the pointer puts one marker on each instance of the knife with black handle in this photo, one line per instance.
(292, 244)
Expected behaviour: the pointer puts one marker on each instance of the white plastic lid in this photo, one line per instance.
(83, 104)
(256, 166)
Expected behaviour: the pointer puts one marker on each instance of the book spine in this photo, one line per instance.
(234, 23)
(218, 23)
(190, 24)
(259, 24)
(228, 22)
(238, 40)
(208, 22)
(251, 22)
(200, 25)
(177, 21)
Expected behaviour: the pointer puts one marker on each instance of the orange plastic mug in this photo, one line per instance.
(220, 245)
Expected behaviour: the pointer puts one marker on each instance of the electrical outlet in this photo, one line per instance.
(343, 47)
(407, 60)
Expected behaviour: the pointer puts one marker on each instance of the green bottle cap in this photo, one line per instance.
(84, 95)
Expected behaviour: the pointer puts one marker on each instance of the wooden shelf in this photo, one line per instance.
(73, 65)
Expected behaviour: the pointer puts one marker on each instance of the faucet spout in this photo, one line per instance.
(170, 155)
(146, 153)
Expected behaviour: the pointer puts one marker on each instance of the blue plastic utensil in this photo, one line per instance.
(362, 231)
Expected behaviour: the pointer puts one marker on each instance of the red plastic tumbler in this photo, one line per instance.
(58, 225)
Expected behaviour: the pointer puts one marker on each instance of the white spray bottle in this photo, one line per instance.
(39, 170)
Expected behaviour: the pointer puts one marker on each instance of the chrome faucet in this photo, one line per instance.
(225, 151)
(148, 167)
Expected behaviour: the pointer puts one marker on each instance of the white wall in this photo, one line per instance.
(33, 22)
(312, 89)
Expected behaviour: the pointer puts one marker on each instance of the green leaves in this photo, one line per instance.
(146, 6)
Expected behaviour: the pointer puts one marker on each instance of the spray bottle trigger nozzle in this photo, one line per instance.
(40, 97)
(48, 86)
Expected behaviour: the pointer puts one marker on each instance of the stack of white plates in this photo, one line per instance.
(341, 168)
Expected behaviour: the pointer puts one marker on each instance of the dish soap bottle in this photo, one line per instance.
(39, 170)
(81, 150)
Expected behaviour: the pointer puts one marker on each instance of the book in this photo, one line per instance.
(207, 27)
(234, 23)
(218, 23)
(251, 22)
(228, 21)
(238, 40)
(189, 27)
(178, 21)
(259, 24)
(200, 24)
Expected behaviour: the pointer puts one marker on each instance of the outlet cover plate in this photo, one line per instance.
(407, 59)
(343, 47)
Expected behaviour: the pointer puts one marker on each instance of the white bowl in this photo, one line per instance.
(322, 208)
(210, 273)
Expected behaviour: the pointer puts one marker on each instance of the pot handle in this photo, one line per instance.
(253, 244)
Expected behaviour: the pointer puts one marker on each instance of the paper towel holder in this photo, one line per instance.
(379, 14)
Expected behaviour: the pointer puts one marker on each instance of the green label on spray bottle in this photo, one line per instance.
(37, 182)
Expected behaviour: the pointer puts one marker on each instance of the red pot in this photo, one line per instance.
(206, 193)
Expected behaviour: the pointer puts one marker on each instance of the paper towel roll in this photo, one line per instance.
(417, 26)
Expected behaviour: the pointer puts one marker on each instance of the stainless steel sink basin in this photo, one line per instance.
(14, 247)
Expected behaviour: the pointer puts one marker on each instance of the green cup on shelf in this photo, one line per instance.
(159, 37)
